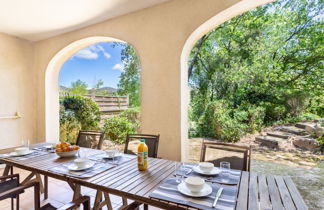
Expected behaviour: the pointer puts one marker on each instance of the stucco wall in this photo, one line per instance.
(17, 91)
(159, 34)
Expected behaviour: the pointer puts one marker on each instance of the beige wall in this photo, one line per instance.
(17, 91)
(160, 35)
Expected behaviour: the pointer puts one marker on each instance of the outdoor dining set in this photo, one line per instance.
(221, 180)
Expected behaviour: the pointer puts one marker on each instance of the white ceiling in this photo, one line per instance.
(40, 19)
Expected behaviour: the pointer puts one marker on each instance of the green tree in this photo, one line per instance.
(269, 60)
(129, 83)
(79, 87)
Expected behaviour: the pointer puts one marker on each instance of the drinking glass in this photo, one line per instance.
(178, 166)
(83, 153)
(225, 167)
(25, 143)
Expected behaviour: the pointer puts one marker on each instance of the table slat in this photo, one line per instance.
(284, 193)
(253, 192)
(264, 193)
(298, 200)
(274, 193)
(242, 201)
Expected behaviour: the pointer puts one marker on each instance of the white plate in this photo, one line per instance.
(116, 155)
(14, 154)
(74, 167)
(214, 171)
(182, 188)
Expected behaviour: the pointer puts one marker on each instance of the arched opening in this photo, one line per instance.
(52, 83)
(204, 28)
(261, 89)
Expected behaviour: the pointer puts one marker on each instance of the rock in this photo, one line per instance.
(269, 141)
(319, 130)
(293, 130)
(305, 143)
(279, 134)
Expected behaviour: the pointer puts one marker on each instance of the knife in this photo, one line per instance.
(218, 194)
(189, 171)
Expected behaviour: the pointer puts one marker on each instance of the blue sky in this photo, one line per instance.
(98, 61)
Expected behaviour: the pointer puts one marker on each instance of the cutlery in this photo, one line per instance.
(189, 171)
(218, 194)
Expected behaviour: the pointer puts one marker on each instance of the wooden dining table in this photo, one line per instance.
(254, 191)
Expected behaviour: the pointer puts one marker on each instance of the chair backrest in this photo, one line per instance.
(238, 156)
(152, 142)
(90, 139)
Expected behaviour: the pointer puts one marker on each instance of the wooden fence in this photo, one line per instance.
(109, 105)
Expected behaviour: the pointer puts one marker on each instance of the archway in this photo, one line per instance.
(52, 86)
(204, 28)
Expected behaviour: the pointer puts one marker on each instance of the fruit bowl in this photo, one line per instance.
(67, 154)
(65, 149)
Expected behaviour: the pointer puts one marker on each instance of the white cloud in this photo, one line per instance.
(86, 54)
(119, 67)
(92, 52)
(107, 55)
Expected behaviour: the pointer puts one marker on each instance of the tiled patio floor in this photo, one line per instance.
(59, 194)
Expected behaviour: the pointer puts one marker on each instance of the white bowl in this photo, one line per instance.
(67, 154)
(206, 166)
(22, 150)
(81, 162)
(194, 184)
(111, 153)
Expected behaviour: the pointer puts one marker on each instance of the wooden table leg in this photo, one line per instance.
(38, 178)
(99, 203)
(6, 170)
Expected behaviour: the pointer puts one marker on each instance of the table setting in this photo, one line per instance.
(113, 157)
(23, 152)
(201, 186)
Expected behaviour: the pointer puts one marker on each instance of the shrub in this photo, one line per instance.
(69, 126)
(117, 128)
(85, 110)
(133, 115)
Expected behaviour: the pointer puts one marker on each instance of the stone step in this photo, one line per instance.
(269, 141)
(293, 130)
(304, 125)
(279, 134)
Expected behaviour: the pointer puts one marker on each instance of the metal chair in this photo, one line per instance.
(238, 156)
(10, 188)
(152, 142)
(90, 139)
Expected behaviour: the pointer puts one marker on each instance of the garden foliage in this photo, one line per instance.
(257, 69)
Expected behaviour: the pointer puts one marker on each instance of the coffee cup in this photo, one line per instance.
(81, 162)
(194, 184)
(206, 166)
(22, 150)
(111, 153)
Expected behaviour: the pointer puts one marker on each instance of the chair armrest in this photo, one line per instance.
(18, 190)
(85, 200)
(9, 176)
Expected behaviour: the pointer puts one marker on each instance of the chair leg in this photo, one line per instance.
(12, 204)
(45, 187)
(17, 202)
(145, 207)
(124, 201)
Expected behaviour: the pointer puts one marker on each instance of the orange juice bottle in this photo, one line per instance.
(142, 152)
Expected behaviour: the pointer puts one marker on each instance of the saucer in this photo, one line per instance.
(107, 157)
(14, 154)
(214, 171)
(207, 190)
(74, 167)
